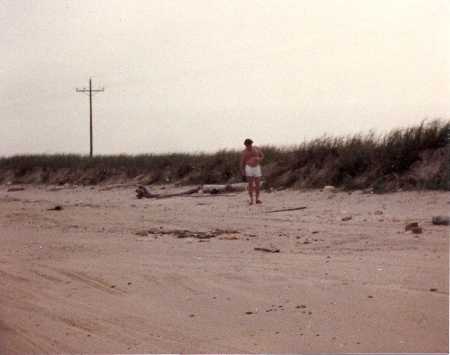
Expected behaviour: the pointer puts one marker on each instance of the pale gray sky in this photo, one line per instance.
(191, 76)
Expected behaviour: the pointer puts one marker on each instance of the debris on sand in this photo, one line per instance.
(229, 237)
(268, 250)
(441, 220)
(413, 228)
(410, 226)
(56, 208)
(143, 192)
(216, 189)
(287, 209)
(182, 234)
(15, 188)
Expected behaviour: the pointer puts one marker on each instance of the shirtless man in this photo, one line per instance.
(249, 165)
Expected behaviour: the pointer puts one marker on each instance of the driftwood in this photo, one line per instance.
(56, 208)
(143, 192)
(187, 234)
(287, 209)
(216, 189)
(268, 250)
(14, 188)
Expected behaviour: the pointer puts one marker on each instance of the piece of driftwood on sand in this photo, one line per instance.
(143, 192)
(287, 209)
(268, 250)
(216, 189)
(14, 188)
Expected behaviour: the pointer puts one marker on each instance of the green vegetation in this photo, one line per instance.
(411, 158)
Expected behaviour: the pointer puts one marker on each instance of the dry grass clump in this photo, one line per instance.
(410, 158)
(367, 161)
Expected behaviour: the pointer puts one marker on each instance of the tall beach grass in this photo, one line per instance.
(412, 158)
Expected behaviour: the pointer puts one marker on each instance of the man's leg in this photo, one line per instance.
(257, 188)
(250, 187)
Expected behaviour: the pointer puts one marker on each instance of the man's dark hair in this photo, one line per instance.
(248, 142)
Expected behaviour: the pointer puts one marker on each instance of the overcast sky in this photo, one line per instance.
(200, 76)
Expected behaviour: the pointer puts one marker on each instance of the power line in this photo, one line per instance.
(91, 93)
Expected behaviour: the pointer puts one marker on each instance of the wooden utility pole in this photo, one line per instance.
(91, 92)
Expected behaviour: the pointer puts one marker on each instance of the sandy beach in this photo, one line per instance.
(96, 270)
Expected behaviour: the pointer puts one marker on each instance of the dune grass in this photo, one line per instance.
(382, 162)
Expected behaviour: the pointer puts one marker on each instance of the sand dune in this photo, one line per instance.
(109, 273)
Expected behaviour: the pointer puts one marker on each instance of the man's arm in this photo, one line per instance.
(260, 155)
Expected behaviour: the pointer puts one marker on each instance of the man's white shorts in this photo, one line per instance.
(253, 171)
